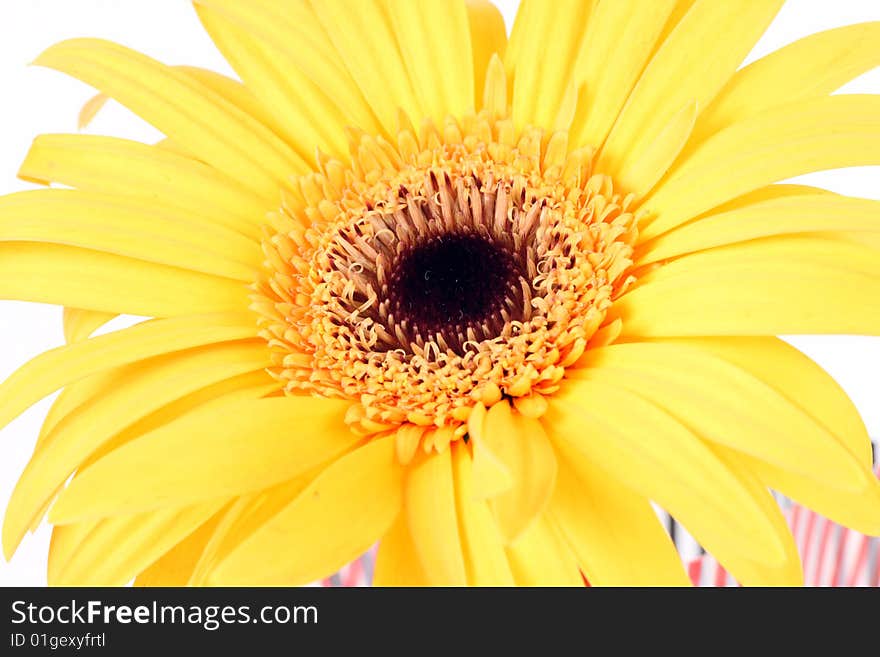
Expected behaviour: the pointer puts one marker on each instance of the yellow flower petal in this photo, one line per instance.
(491, 476)
(124, 227)
(397, 563)
(809, 387)
(541, 557)
(808, 68)
(615, 533)
(73, 395)
(619, 40)
(727, 405)
(780, 286)
(488, 37)
(237, 93)
(297, 41)
(90, 110)
(149, 173)
(249, 386)
(482, 545)
(541, 67)
(433, 520)
(521, 445)
(642, 173)
(668, 464)
(58, 367)
(366, 43)
(197, 118)
(238, 448)
(826, 133)
(175, 567)
(79, 324)
(253, 385)
(245, 516)
(336, 518)
(154, 383)
(748, 572)
(682, 7)
(797, 378)
(859, 510)
(300, 111)
(495, 91)
(115, 550)
(723, 33)
(785, 214)
(435, 45)
(70, 276)
(256, 384)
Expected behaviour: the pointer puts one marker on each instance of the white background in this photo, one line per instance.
(34, 100)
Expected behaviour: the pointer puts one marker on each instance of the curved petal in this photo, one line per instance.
(619, 40)
(79, 324)
(540, 67)
(175, 567)
(641, 174)
(541, 557)
(74, 394)
(337, 517)
(482, 545)
(244, 387)
(435, 43)
(433, 519)
(365, 42)
(858, 510)
(397, 563)
(784, 285)
(491, 476)
(521, 445)
(749, 572)
(722, 33)
(614, 532)
(200, 120)
(71, 276)
(727, 405)
(488, 37)
(245, 516)
(115, 550)
(784, 215)
(125, 227)
(110, 165)
(297, 40)
(258, 383)
(299, 109)
(825, 133)
(234, 449)
(668, 464)
(808, 68)
(55, 368)
(797, 378)
(235, 92)
(155, 383)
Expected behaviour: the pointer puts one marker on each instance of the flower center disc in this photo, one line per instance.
(454, 282)
(448, 270)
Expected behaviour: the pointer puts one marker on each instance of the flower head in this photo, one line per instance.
(479, 301)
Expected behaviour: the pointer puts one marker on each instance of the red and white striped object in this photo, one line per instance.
(358, 573)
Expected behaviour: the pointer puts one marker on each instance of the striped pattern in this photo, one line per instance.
(356, 574)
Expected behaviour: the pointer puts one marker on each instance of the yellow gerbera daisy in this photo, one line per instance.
(479, 301)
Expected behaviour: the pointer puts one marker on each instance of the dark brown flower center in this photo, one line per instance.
(451, 269)
(449, 283)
